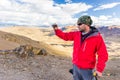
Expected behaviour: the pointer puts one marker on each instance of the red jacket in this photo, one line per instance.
(84, 54)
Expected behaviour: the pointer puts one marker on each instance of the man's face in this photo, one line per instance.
(81, 27)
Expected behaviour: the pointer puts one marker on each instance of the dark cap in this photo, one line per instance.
(85, 20)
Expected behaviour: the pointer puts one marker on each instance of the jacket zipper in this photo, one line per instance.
(84, 46)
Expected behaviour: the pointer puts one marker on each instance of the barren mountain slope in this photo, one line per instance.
(40, 67)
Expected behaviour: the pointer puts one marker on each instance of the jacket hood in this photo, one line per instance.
(94, 31)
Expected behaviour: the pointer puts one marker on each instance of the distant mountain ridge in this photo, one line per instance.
(111, 34)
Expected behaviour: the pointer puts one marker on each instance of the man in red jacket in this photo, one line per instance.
(88, 43)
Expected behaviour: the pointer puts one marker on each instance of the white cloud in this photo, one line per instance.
(68, 1)
(47, 12)
(74, 8)
(39, 12)
(103, 17)
(106, 6)
(105, 20)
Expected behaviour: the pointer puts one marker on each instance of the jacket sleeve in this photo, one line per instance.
(102, 55)
(65, 35)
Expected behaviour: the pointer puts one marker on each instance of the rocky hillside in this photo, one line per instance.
(44, 36)
(22, 58)
(11, 41)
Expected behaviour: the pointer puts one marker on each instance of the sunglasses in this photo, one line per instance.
(79, 24)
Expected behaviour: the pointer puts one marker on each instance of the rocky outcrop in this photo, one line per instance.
(24, 51)
(25, 46)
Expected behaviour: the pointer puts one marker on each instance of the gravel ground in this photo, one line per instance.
(48, 67)
(34, 68)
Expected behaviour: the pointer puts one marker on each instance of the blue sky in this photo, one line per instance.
(62, 12)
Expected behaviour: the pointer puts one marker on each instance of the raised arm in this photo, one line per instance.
(64, 35)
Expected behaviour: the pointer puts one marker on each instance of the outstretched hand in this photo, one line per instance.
(55, 26)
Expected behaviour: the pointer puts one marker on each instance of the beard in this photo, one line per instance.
(81, 30)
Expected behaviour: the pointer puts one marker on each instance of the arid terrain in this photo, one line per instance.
(56, 62)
